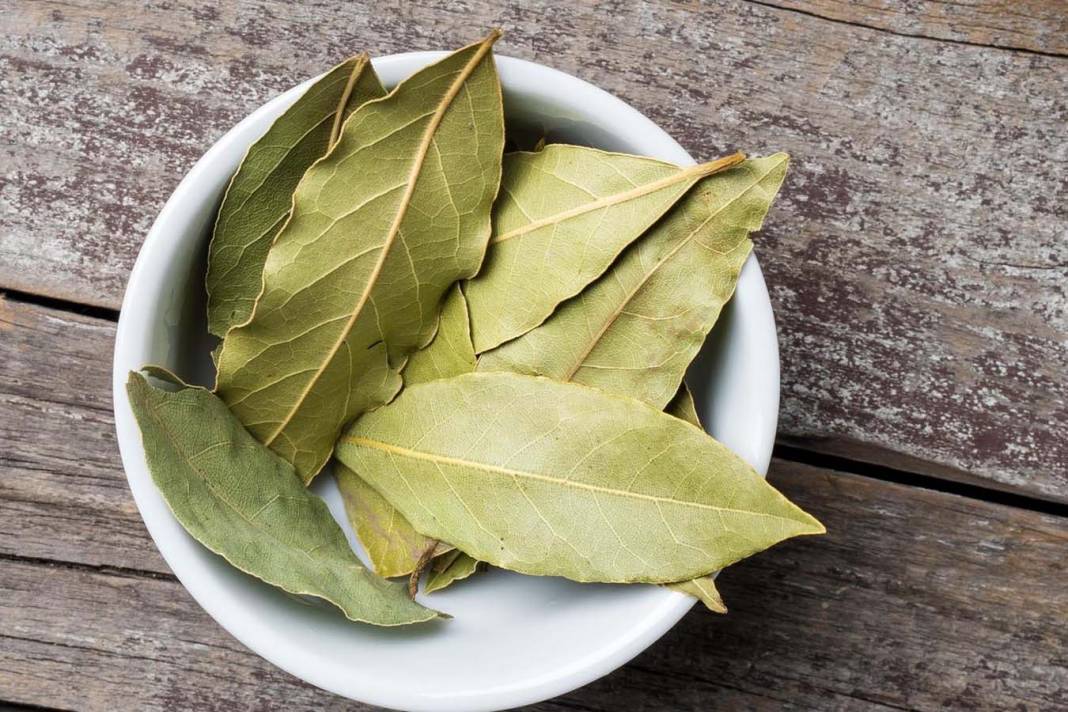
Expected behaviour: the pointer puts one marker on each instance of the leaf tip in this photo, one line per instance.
(494, 35)
(814, 526)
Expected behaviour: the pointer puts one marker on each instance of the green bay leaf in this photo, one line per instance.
(380, 228)
(258, 199)
(392, 543)
(552, 478)
(246, 504)
(563, 216)
(636, 329)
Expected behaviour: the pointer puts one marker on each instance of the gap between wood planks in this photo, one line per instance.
(782, 452)
(66, 305)
(914, 479)
(120, 571)
(770, 4)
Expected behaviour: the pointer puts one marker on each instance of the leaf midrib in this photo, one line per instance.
(374, 444)
(354, 77)
(394, 229)
(683, 175)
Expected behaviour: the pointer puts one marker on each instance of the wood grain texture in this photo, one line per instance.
(915, 599)
(61, 481)
(1031, 25)
(916, 260)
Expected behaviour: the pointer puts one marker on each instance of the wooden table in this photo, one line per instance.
(917, 260)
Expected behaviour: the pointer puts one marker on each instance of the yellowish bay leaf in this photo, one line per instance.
(636, 330)
(704, 590)
(552, 478)
(450, 568)
(563, 216)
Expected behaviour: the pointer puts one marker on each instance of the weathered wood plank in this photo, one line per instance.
(1033, 25)
(63, 494)
(919, 627)
(917, 259)
(137, 640)
(915, 600)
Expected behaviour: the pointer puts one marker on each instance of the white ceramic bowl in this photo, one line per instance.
(514, 639)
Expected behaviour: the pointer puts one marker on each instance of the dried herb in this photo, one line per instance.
(704, 590)
(564, 215)
(636, 329)
(392, 544)
(246, 504)
(559, 479)
(451, 352)
(380, 228)
(498, 363)
(450, 568)
(258, 198)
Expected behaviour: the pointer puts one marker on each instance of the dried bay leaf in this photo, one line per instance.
(637, 328)
(392, 543)
(450, 568)
(258, 198)
(380, 228)
(246, 504)
(552, 478)
(563, 216)
(456, 566)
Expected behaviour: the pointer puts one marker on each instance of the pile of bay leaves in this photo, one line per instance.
(490, 344)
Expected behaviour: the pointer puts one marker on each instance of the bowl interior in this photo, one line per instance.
(514, 639)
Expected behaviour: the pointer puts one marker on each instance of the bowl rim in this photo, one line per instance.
(134, 319)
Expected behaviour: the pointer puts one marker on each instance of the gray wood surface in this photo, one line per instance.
(917, 259)
(1031, 25)
(916, 599)
(61, 481)
(918, 263)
